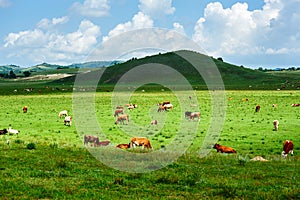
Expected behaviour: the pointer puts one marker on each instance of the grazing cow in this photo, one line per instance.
(25, 109)
(257, 108)
(12, 131)
(275, 123)
(131, 106)
(140, 141)
(187, 114)
(288, 147)
(90, 139)
(223, 149)
(118, 112)
(122, 119)
(68, 120)
(119, 107)
(101, 143)
(154, 122)
(3, 132)
(63, 113)
(123, 146)
(295, 104)
(168, 106)
(194, 115)
(161, 108)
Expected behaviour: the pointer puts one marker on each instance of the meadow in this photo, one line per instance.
(48, 160)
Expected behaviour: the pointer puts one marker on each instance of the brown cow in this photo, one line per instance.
(123, 146)
(223, 149)
(140, 141)
(90, 139)
(295, 104)
(122, 118)
(101, 143)
(194, 115)
(25, 109)
(257, 108)
(288, 147)
(118, 112)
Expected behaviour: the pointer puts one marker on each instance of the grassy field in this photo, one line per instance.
(47, 160)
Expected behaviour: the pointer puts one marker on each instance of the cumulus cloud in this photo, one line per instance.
(273, 29)
(156, 8)
(39, 45)
(46, 23)
(4, 3)
(140, 20)
(178, 27)
(92, 8)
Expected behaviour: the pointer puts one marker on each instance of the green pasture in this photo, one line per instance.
(60, 167)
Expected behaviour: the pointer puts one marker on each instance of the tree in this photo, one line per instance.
(12, 74)
(26, 73)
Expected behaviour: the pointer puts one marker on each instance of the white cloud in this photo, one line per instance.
(41, 45)
(156, 8)
(92, 8)
(274, 29)
(178, 27)
(46, 23)
(4, 3)
(140, 20)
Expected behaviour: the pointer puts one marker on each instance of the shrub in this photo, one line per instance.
(30, 146)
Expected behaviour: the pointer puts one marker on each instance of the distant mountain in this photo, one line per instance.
(46, 66)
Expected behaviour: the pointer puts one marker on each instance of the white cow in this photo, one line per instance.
(12, 131)
(63, 113)
(68, 120)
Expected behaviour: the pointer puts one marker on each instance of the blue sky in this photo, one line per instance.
(261, 33)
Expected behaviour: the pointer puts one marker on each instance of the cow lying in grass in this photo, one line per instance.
(295, 105)
(101, 143)
(288, 147)
(223, 149)
(140, 141)
(123, 146)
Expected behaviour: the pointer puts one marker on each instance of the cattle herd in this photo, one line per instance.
(122, 118)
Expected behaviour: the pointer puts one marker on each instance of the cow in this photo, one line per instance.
(140, 141)
(154, 122)
(187, 114)
(63, 113)
(194, 115)
(3, 132)
(101, 143)
(122, 119)
(131, 106)
(224, 149)
(68, 120)
(275, 123)
(119, 107)
(12, 131)
(161, 108)
(288, 147)
(25, 109)
(257, 108)
(123, 146)
(90, 139)
(168, 106)
(295, 104)
(118, 112)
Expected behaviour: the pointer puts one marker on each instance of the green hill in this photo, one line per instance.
(234, 77)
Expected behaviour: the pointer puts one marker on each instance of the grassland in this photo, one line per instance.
(59, 167)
